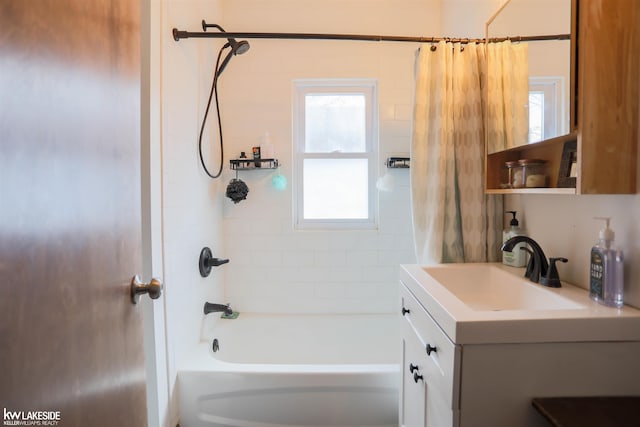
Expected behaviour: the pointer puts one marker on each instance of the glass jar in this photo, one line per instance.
(514, 174)
(533, 173)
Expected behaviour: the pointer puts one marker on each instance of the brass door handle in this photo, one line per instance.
(153, 288)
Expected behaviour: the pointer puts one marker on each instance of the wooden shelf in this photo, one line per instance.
(549, 150)
(532, 191)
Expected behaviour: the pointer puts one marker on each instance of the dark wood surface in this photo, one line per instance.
(70, 210)
(590, 411)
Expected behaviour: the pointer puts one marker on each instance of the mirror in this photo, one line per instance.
(550, 76)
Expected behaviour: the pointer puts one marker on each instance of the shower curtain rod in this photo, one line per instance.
(178, 35)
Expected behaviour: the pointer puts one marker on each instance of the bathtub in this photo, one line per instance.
(294, 370)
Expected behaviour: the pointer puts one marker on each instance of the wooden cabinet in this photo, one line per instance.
(607, 41)
(493, 383)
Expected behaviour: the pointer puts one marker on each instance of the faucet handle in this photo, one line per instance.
(552, 279)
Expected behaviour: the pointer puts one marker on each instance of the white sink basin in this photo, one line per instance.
(493, 303)
(487, 287)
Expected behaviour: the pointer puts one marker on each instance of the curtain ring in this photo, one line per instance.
(463, 42)
(433, 46)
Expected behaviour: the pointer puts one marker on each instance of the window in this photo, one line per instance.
(545, 108)
(335, 133)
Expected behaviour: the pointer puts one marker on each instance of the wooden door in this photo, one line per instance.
(70, 236)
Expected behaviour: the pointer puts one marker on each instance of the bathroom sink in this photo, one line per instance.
(480, 303)
(488, 287)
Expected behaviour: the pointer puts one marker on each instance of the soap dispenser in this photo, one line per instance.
(606, 273)
(266, 147)
(517, 257)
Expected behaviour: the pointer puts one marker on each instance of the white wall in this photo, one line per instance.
(274, 268)
(564, 226)
(467, 18)
(191, 201)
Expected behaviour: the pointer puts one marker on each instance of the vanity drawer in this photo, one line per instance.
(441, 355)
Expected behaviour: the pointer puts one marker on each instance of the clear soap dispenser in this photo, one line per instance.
(517, 257)
(266, 147)
(606, 283)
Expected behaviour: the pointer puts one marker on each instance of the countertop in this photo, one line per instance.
(464, 325)
(590, 411)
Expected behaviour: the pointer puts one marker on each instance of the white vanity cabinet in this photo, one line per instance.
(491, 382)
(430, 369)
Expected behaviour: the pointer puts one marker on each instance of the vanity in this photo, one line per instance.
(480, 342)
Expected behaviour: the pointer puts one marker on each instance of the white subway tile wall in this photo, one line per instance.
(273, 267)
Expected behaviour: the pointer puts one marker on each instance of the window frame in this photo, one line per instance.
(553, 109)
(366, 87)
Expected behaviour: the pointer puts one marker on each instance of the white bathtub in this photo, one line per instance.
(294, 370)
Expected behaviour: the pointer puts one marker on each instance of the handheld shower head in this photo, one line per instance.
(237, 48)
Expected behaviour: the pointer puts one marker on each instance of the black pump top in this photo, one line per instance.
(514, 222)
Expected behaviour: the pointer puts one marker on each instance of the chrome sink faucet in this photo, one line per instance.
(538, 269)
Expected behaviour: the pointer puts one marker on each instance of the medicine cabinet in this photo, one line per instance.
(599, 154)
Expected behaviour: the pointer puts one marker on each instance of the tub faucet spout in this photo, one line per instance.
(217, 308)
(538, 265)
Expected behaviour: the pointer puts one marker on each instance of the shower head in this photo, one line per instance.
(237, 48)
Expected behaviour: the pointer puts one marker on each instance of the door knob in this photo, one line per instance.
(153, 288)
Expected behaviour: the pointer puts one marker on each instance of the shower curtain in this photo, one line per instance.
(507, 95)
(453, 220)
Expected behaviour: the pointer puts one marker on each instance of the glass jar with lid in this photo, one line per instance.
(533, 173)
(514, 174)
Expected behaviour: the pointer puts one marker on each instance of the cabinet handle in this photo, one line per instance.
(412, 367)
(417, 377)
(431, 349)
(405, 311)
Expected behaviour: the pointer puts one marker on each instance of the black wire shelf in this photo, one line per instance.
(253, 164)
(398, 162)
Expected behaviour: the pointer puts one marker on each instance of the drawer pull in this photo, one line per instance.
(412, 367)
(431, 349)
(417, 377)
(405, 311)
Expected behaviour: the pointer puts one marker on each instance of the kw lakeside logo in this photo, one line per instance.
(31, 418)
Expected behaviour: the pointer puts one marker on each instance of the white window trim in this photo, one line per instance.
(554, 111)
(302, 87)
